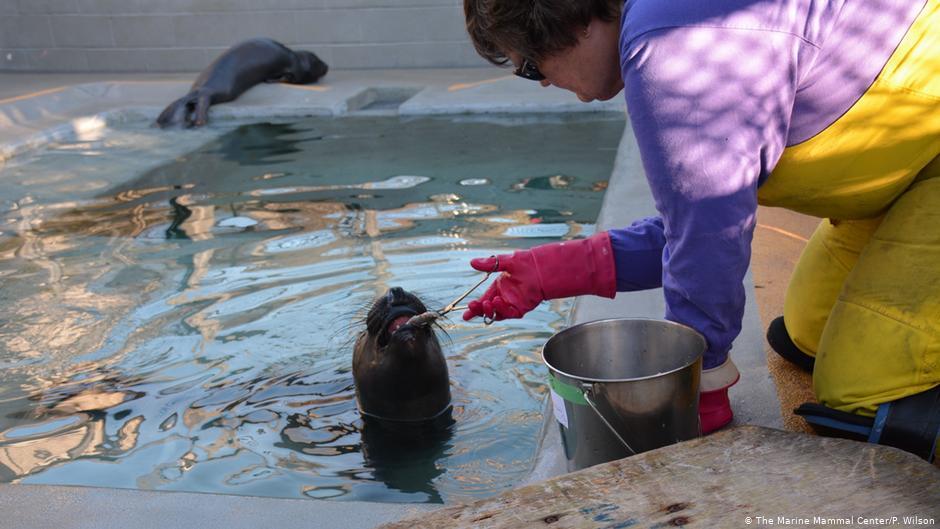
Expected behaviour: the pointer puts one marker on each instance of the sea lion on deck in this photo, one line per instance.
(244, 65)
(398, 366)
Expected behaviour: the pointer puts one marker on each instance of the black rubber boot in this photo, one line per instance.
(780, 341)
(833, 423)
(911, 423)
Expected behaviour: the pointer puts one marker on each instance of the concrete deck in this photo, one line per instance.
(38, 108)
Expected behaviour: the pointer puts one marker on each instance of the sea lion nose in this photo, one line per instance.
(395, 294)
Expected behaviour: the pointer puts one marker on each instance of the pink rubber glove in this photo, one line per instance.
(549, 271)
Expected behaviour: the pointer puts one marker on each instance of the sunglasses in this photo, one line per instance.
(528, 70)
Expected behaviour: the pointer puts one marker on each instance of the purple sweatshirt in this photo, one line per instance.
(715, 90)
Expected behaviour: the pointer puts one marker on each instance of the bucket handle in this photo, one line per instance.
(586, 391)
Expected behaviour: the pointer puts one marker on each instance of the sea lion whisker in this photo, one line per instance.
(355, 317)
(344, 335)
(347, 341)
(446, 334)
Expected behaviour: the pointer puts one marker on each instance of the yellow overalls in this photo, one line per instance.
(864, 298)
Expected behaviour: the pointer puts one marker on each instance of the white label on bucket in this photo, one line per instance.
(558, 407)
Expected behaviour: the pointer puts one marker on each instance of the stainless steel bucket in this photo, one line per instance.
(623, 386)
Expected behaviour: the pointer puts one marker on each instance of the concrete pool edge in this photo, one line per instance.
(70, 507)
(50, 113)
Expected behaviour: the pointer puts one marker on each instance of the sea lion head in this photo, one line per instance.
(399, 368)
(308, 68)
(388, 318)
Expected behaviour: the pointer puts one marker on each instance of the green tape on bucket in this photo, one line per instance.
(566, 391)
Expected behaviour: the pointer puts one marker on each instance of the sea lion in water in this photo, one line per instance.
(241, 67)
(398, 367)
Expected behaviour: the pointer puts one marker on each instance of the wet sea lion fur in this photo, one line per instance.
(399, 369)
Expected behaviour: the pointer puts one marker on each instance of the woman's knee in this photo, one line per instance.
(829, 257)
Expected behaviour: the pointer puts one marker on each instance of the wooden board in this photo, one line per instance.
(791, 479)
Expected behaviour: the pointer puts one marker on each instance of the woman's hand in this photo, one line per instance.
(549, 271)
(516, 291)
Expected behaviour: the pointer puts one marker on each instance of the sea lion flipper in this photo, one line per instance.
(203, 102)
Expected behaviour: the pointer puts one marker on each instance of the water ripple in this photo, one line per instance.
(191, 328)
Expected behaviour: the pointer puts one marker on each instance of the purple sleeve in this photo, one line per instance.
(638, 254)
(709, 108)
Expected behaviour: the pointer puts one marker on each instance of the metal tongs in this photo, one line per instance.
(426, 318)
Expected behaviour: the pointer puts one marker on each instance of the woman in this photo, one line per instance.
(829, 108)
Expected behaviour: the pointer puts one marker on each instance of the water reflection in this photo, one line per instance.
(263, 144)
(190, 329)
(408, 457)
(65, 422)
(544, 182)
(180, 214)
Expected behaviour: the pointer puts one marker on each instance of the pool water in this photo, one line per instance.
(188, 324)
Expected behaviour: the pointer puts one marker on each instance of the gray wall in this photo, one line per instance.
(185, 35)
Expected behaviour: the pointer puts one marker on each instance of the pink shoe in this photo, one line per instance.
(714, 407)
(714, 410)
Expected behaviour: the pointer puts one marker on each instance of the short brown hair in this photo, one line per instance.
(532, 28)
